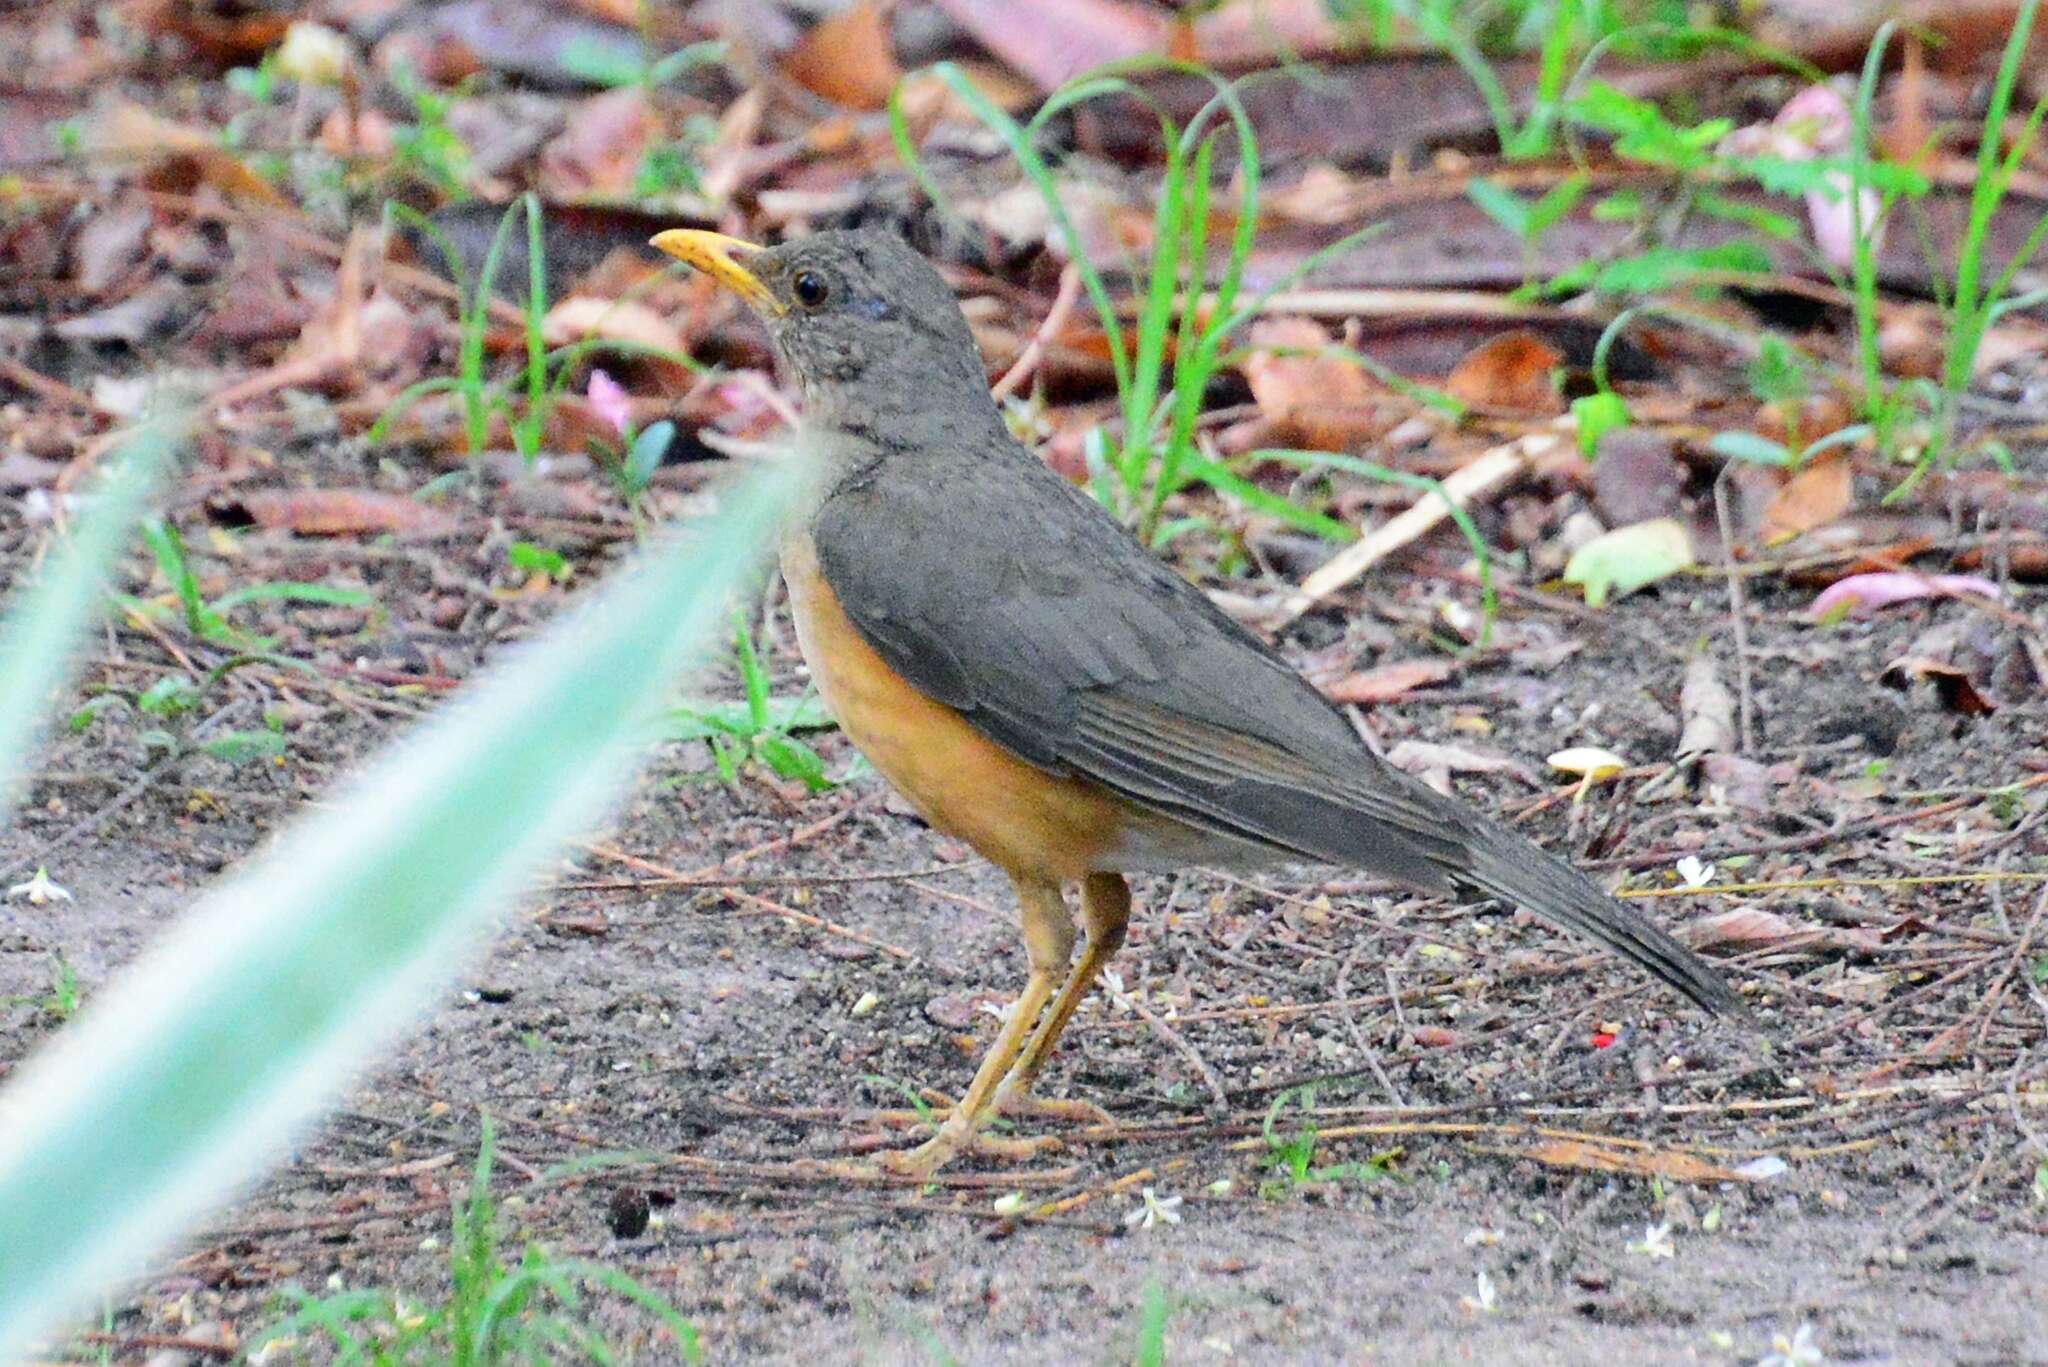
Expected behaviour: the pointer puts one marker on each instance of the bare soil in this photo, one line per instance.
(717, 1046)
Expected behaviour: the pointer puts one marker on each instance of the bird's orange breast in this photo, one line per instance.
(1019, 817)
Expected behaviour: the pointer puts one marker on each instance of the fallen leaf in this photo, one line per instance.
(1636, 476)
(1511, 373)
(122, 130)
(1629, 558)
(1434, 763)
(1437, 1037)
(617, 320)
(1392, 680)
(345, 512)
(140, 318)
(1814, 497)
(1052, 41)
(1740, 783)
(1863, 593)
(1313, 398)
(1959, 692)
(1708, 710)
(1744, 926)
(1755, 926)
(847, 58)
(1674, 1165)
(599, 152)
(111, 246)
(1587, 761)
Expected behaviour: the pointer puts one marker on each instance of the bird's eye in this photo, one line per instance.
(811, 289)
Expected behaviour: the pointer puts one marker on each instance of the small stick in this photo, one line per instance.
(1027, 360)
(1489, 472)
(1738, 610)
(1114, 988)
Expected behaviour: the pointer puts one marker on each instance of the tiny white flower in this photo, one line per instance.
(1113, 983)
(1486, 1302)
(314, 54)
(1656, 1242)
(39, 890)
(1155, 1209)
(1696, 872)
(1482, 1238)
(1798, 1351)
(1009, 1204)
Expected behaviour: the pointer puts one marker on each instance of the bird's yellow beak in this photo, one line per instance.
(723, 259)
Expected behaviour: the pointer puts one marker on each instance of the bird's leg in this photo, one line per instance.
(1105, 914)
(1049, 938)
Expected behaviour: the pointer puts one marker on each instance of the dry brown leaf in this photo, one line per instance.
(847, 58)
(1814, 497)
(599, 151)
(124, 130)
(1393, 680)
(1959, 692)
(1708, 709)
(1636, 476)
(1314, 399)
(1509, 374)
(1052, 41)
(727, 160)
(345, 512)
(581, 316)
(1745, 926)
(1674, 1165)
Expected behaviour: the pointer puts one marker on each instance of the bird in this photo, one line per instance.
(1037, 684)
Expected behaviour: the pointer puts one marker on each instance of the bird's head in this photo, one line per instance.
(872, 333)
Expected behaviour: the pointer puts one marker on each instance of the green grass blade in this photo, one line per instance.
(43, 624)
(1229, 482)
(194, 1066)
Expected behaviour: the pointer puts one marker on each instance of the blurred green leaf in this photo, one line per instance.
(524, 555)
(195, 1065)
(1752, 448)
(46, 617)
(1598, 414)
(244, 747)
(171, 696)
(703, 720)
(1504, 207)
(1628, 558)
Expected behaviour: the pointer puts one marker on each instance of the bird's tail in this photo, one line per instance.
(1499, 863)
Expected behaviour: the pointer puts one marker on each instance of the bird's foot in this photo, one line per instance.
(950, 1142)
(1016, 1099)
(958, 1134)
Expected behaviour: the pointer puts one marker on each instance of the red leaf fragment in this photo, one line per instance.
(345, 512)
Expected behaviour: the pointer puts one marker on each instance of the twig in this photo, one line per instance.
(1358, 1039)
(1114, 987)
(172, 1342)
(1738, 610)
(1491, 471)
(758, 903)
(1055, 322)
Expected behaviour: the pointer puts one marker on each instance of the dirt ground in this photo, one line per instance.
(716, 1045)
(1343, 1123)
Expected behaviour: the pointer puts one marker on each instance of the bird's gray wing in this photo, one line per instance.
(1058, 636)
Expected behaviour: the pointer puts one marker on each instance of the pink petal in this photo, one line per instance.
(1834, 223)
(1819, 117)
(610, 402)
(1868, 592)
